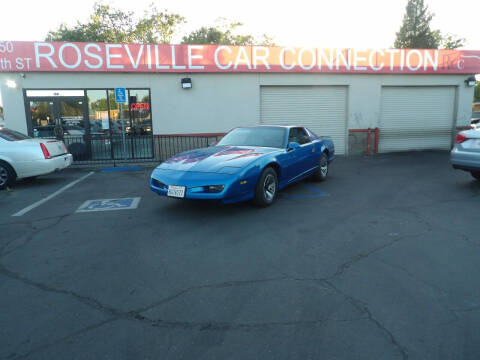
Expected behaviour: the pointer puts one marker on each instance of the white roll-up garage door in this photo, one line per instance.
(416, 118)
(322, 109)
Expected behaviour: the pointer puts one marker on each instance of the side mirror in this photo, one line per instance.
(292, 146)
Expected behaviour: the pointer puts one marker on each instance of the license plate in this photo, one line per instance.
(176, 191)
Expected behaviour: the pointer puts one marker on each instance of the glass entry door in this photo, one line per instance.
(43, 118)
(61, 118)
(57, 117)
(70, 114)
(92, 124)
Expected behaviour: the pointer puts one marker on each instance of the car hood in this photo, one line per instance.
(220, 159)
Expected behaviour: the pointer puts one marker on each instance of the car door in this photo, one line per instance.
(302, 154)
(314, 153)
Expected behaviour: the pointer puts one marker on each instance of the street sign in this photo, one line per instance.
(121, 95)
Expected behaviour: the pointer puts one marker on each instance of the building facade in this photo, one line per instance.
(415, 98)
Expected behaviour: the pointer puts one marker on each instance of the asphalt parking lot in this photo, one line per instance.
(382, 261)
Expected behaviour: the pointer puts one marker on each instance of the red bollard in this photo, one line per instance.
(368, 141)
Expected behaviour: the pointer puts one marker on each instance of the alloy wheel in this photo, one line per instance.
(324, 166)
(269, 187)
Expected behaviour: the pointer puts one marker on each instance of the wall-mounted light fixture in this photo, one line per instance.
(470, 81)
(186, 83)
(11, 84)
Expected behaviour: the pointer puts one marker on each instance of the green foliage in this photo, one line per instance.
(450, 41)
(108, 24)
(415, 31)
(476, 92)
(224, 32)
(157, 27)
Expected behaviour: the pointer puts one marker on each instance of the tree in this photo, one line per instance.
(415, 31)
(476, 92)
(108, 24)
(450, 41)
(158, 27)
(224, 32)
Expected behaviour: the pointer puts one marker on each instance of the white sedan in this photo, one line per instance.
(22, 156)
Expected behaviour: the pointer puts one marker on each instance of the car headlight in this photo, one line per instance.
(214, 188)
(158, 184)
(208, 189)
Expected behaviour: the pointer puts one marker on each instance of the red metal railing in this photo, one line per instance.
(369, 131)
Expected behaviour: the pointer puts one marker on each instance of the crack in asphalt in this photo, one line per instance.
(136, 315)
(363, 308)
(344, 266)
(34, 232)
(211, 286)
(421, 281)
(422, 219)
(91, 302)
(42, 347)
(462, 310)
(225, 326)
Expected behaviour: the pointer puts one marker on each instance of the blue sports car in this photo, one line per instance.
(247, 163)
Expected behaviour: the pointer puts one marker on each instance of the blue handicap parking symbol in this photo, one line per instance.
(120, 95)
(109, 204)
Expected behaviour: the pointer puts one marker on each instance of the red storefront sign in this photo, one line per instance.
(26, 56)
(140, 106)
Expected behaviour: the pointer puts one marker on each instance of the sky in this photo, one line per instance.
(339, 24)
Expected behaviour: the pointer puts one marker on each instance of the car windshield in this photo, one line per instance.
(255, 136)
(12, 135)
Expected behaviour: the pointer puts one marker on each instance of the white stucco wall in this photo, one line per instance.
(219, 102)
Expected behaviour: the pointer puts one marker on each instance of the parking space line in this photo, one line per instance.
(51, 196)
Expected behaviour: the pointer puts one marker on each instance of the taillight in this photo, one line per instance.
(460, 138)
(45, 151)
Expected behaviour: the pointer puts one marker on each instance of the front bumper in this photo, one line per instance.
(233, 191)
(465, 160)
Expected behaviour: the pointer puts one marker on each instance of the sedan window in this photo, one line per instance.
(12, 135)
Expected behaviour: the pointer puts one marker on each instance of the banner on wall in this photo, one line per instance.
(28, 56)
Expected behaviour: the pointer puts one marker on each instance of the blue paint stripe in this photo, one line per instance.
(317, 194)
(314, 188)
(122, 168)
(305, 196)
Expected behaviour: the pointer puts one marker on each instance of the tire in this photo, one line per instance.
(476, 174)
(7, 175)
(322, 171)
(267, 188)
